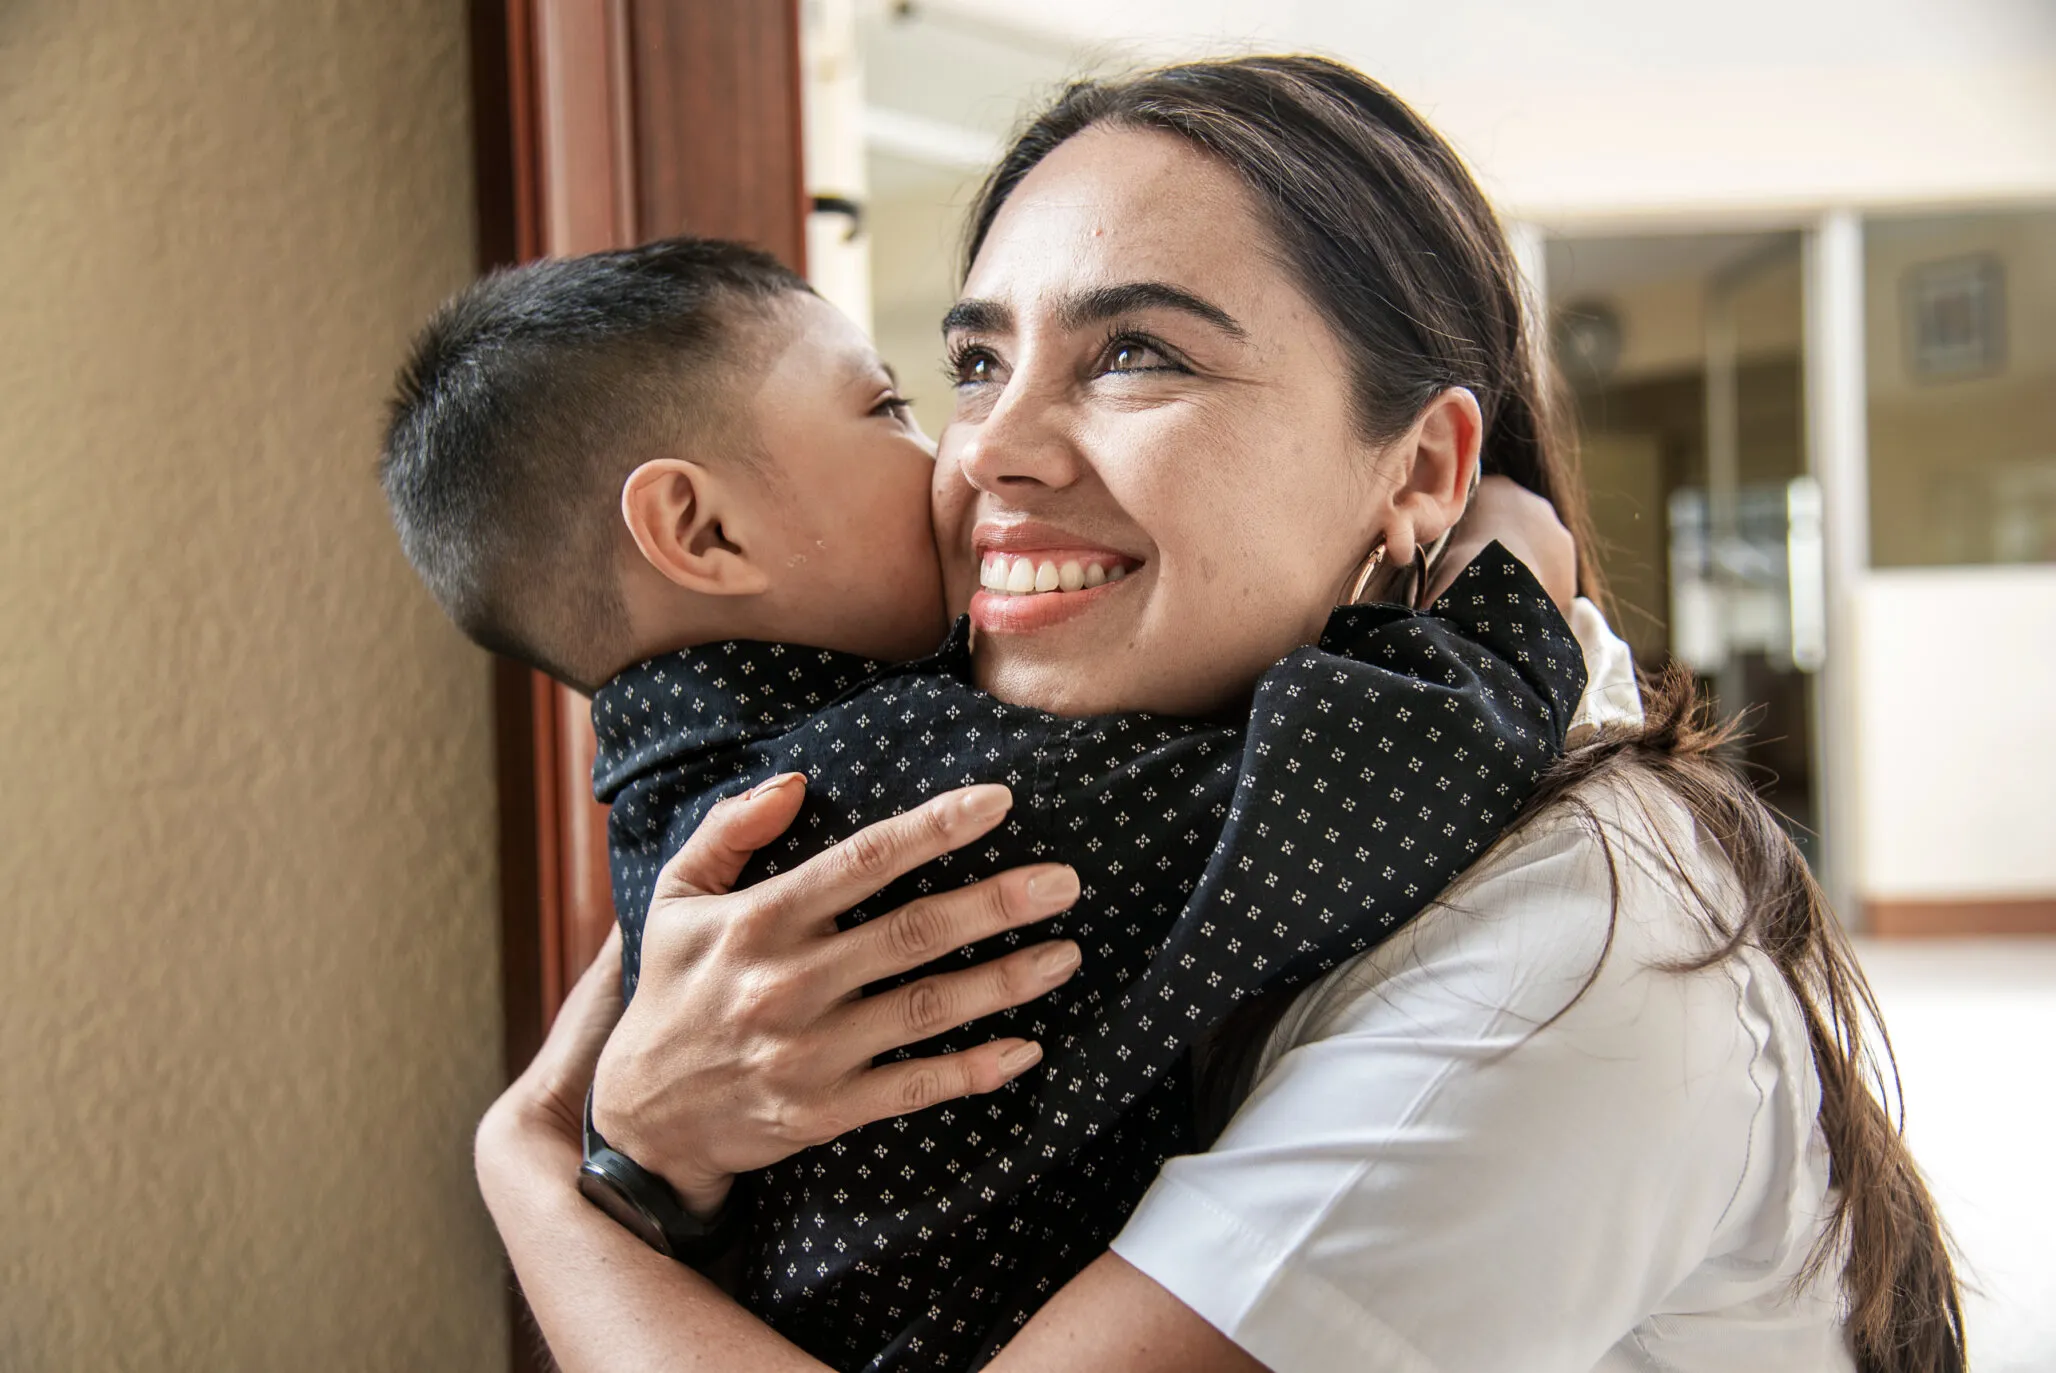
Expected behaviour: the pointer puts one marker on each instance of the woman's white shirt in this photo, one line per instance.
(1458, 1156)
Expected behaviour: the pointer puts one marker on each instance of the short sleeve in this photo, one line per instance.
(1470, 1159)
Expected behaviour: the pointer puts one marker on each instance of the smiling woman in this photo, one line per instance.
(1157, 392)
(1233, 328)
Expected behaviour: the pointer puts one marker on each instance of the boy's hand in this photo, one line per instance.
(1505, 510)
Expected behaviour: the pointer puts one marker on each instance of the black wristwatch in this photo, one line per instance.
(647, 1207)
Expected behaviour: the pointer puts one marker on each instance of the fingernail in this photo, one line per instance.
(1058, 959)
(1054, 886)
(987, 802)
(1021, 1057)
(765, 788)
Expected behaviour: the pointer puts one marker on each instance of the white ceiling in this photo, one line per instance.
(1400, 39)
(1576, 110)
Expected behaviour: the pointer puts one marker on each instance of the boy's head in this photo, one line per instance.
(593, 460)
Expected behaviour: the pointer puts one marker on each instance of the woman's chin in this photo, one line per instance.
(1007, 669)
(1068, 676)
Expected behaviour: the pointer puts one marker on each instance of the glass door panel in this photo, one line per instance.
(1685, 356)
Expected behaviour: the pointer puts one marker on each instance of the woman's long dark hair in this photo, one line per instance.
(1391, 239)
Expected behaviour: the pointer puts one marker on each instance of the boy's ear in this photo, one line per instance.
(1435, 463)
(692, 525)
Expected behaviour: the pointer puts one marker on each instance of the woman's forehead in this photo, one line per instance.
(1114, 205)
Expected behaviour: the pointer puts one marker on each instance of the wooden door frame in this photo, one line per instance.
(600, 124)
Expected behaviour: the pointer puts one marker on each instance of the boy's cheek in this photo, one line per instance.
(950, 510)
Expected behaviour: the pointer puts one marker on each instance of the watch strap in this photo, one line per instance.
(667, 1226)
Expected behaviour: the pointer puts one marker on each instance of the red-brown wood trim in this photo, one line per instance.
(584, 150)
(497, 164)
(503, 134)
(718, 128)
(1938, 919)
(584, 156)
(600, 123)
(499, 174)
(584, 876)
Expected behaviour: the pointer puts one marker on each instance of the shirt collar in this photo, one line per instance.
(720, 694)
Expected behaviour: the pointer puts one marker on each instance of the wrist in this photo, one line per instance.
(703, 1192)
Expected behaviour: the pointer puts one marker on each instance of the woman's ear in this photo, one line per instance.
(1435, 464)
(694, 527)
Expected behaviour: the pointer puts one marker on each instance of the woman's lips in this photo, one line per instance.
(1034, 589)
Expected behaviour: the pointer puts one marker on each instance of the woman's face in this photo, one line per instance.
(1142, 387)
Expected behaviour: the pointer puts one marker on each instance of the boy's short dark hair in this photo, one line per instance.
(526, 402)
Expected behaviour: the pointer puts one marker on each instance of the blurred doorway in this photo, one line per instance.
(1685, 354)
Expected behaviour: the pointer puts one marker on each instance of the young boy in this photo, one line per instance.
(676, 479)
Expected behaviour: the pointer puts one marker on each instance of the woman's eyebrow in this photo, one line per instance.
(1095, 306)
(978, 317)
(1109, 302)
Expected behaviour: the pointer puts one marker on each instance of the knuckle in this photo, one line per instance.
(1015, 979)
(756, 913)
(916, 933)
(998, 904)
(927, 1008)
(869, 853)
(762, 997)
(829, 1124)
(936, 819)
(781, 1067)
(790, 1124)
(922, 1087)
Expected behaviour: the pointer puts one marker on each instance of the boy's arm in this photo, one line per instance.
(1506, 512)
(1377, 768)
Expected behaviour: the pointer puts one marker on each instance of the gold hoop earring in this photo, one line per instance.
(1420, 571)
(1372, 562)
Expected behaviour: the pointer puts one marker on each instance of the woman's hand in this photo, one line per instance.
(749, 1039)
(1505, 510)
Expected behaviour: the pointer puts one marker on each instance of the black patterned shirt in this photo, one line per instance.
(1216, 860)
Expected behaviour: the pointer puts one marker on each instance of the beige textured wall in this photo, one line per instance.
(248, 976)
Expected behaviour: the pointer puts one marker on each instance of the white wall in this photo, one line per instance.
(1956, 723)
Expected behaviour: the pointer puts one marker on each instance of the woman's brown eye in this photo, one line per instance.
(1137, 357)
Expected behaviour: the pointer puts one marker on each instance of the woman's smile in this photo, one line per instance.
(1032, 576)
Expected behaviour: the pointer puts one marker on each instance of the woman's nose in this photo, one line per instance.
(1023, 441)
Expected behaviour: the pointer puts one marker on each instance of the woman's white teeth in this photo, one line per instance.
(1021, 576)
